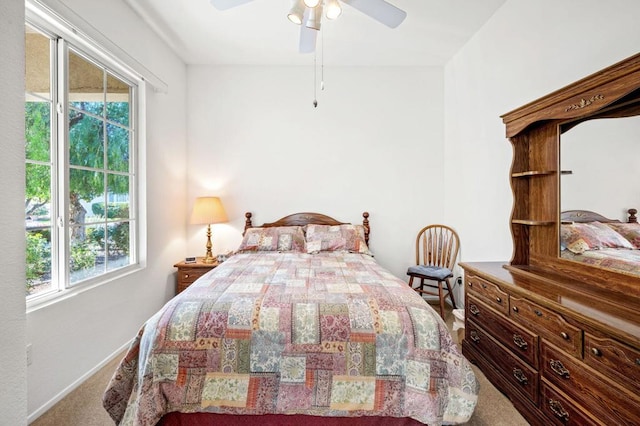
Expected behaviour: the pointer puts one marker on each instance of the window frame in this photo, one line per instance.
(63, 41)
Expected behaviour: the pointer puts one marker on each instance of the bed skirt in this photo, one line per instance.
(209, 419)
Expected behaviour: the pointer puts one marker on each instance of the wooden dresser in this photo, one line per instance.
(560, 338)
(563, 356)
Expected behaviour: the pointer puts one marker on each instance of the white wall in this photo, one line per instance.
(72, 337)
(526, 50)
(374, 143)
(13, 366)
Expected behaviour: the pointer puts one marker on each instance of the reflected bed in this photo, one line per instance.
(595, 240)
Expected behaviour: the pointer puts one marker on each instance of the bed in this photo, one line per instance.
(300, 325)
(590, 238)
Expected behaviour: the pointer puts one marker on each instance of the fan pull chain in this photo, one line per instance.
(315, 79)
(322, 62)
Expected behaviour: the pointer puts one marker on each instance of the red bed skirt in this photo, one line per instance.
(208, 419)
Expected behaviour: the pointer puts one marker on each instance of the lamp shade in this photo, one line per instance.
(208, 210)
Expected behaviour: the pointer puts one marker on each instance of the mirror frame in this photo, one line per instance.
(534, 132)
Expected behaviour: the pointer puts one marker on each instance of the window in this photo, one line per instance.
(80, 134)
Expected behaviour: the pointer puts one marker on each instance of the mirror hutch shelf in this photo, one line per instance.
(561, 339)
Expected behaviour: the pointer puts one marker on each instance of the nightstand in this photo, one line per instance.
(189, 272)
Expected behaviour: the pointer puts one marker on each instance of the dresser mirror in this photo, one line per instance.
(600, 163)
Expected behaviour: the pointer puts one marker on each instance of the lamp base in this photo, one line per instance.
(208, 259)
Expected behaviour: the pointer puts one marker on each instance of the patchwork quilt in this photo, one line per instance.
(327, 334)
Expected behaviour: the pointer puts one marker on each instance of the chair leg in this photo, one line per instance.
(441, 297)
(411, 281)
(453, 299)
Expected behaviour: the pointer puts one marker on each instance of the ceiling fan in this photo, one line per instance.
(308, 14)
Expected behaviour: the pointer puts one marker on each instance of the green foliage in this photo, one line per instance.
(38, 258)
(114, 210)
(86, 149)
(118, 238)
(83, 256)
(37, 148)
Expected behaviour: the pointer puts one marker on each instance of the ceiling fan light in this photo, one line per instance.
(315, 18)
(311, 3)
(297, 12)
(333, 9)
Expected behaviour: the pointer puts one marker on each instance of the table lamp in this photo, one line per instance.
(208, 210)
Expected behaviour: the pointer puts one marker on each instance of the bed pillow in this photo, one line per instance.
(276, 238)
(336, 238)
(630, 231)
(580, 237)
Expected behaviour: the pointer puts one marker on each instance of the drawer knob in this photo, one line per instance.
(474, 336)
(498, 299)
(520, 377)
(564, 335)
(515, 309)
(559, 368)
(484, 285)
(557, 409)
(596, 351)
(474, 309)
(186, 275)
(520, 342)
(470, 284)
(538, 313)
(637, 361)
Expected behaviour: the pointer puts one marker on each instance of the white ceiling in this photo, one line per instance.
(258, 33)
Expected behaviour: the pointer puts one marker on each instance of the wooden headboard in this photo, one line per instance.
(589, 216)
(302, 219)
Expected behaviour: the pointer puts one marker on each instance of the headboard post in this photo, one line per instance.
(247, 222)
(632, 216)
(365, 223)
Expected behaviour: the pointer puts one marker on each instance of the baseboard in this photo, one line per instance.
(73, 386)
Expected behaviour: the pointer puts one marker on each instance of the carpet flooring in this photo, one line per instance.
(83, 406)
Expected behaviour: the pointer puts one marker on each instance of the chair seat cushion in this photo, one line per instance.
(433, 272)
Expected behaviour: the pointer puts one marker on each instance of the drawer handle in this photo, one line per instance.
(520, 342)
(474, 336)
(564, 335)
(558, 410)
(596, 352)
(498, 299)
(538, 313)
(520, 377)
(474, 310)
(186, 275)
(515, 309)
(470, 284)
(558, 368)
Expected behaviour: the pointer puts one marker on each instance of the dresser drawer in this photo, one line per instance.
(519, 375)
(561, 409)
(607, 401)
(613, 358)
(488, 292)
(515, 338)
(548, 324)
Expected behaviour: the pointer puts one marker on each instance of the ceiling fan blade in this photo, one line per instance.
(308, 38)
(228, 4)
(379, 10)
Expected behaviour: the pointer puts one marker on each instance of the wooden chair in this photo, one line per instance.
(436, 253)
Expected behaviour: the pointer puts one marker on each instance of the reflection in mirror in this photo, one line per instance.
(603, 156)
